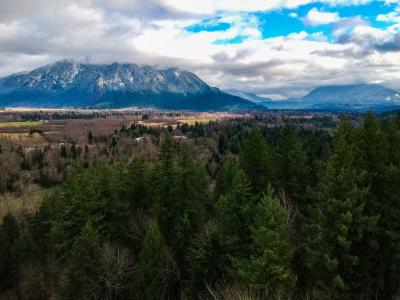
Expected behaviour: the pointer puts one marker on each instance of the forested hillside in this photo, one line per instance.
(232, 210)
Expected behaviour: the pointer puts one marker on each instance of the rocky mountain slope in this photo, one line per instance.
(69, 83)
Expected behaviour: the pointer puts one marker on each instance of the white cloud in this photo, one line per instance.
(212, 6)
(153, 32)
(316, 17)
(390, 17)
(386, 17)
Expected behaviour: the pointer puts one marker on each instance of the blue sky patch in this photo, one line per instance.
(283, 22)
(236, 40)
(209, 25)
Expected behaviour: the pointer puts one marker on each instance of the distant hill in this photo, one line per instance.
(343, 97)
(361, 94)
(249, 96)
(69, 83)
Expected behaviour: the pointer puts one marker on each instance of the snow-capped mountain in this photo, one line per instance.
(69, 83)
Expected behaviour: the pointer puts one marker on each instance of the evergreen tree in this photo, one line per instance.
(137, 184)
(337, 222)
(291, 165)
(255, 160)
(224, 178)
(373, 160)
(9, 232)
(73, 151)
(90, 137)
(392, 137)
(154, 266)
(180, 196)
(165, 187)
(189, 206)
(40, 227)
(63, 151)
(86, 195)
(234, 213)
(209, 260)
(25, 247)
(222, 144)
(390, 236)
(390, 214)
(270, 264)
(83, 266)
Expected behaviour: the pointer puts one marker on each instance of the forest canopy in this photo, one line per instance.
(283, 212)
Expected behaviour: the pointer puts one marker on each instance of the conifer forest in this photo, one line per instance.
(259, 206)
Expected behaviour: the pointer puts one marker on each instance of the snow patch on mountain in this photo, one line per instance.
(68, 82)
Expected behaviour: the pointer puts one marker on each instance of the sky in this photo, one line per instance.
(273, 48)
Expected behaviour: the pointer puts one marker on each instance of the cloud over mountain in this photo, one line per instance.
(250, 50)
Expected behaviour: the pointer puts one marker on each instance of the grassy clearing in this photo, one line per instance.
(22, 204)
(199, 121)
(22, 138)
(13, 134)
(157, 124)
(19, 124)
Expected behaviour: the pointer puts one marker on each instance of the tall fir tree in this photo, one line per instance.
(86, 195)
(83, 270)
(291, 166)
(392, 136)
(137, 184)
(373, 160)
(390, 213)
(9, 233)
(165, 187)
(270, 264)
(181, 193)
(224, 178)
(255, 160)
(234, 213)
(209, 261)
(154, 266)
(337, 222)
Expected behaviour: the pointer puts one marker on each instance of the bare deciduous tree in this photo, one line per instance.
(116, 269)
(289, 207)
(137, 226)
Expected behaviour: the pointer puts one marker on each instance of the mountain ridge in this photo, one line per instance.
(352, 97)
(69, 83)
(349, 94)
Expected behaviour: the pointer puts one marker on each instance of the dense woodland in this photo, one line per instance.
(237, 210)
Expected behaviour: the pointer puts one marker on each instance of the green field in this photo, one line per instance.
(20, 124)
